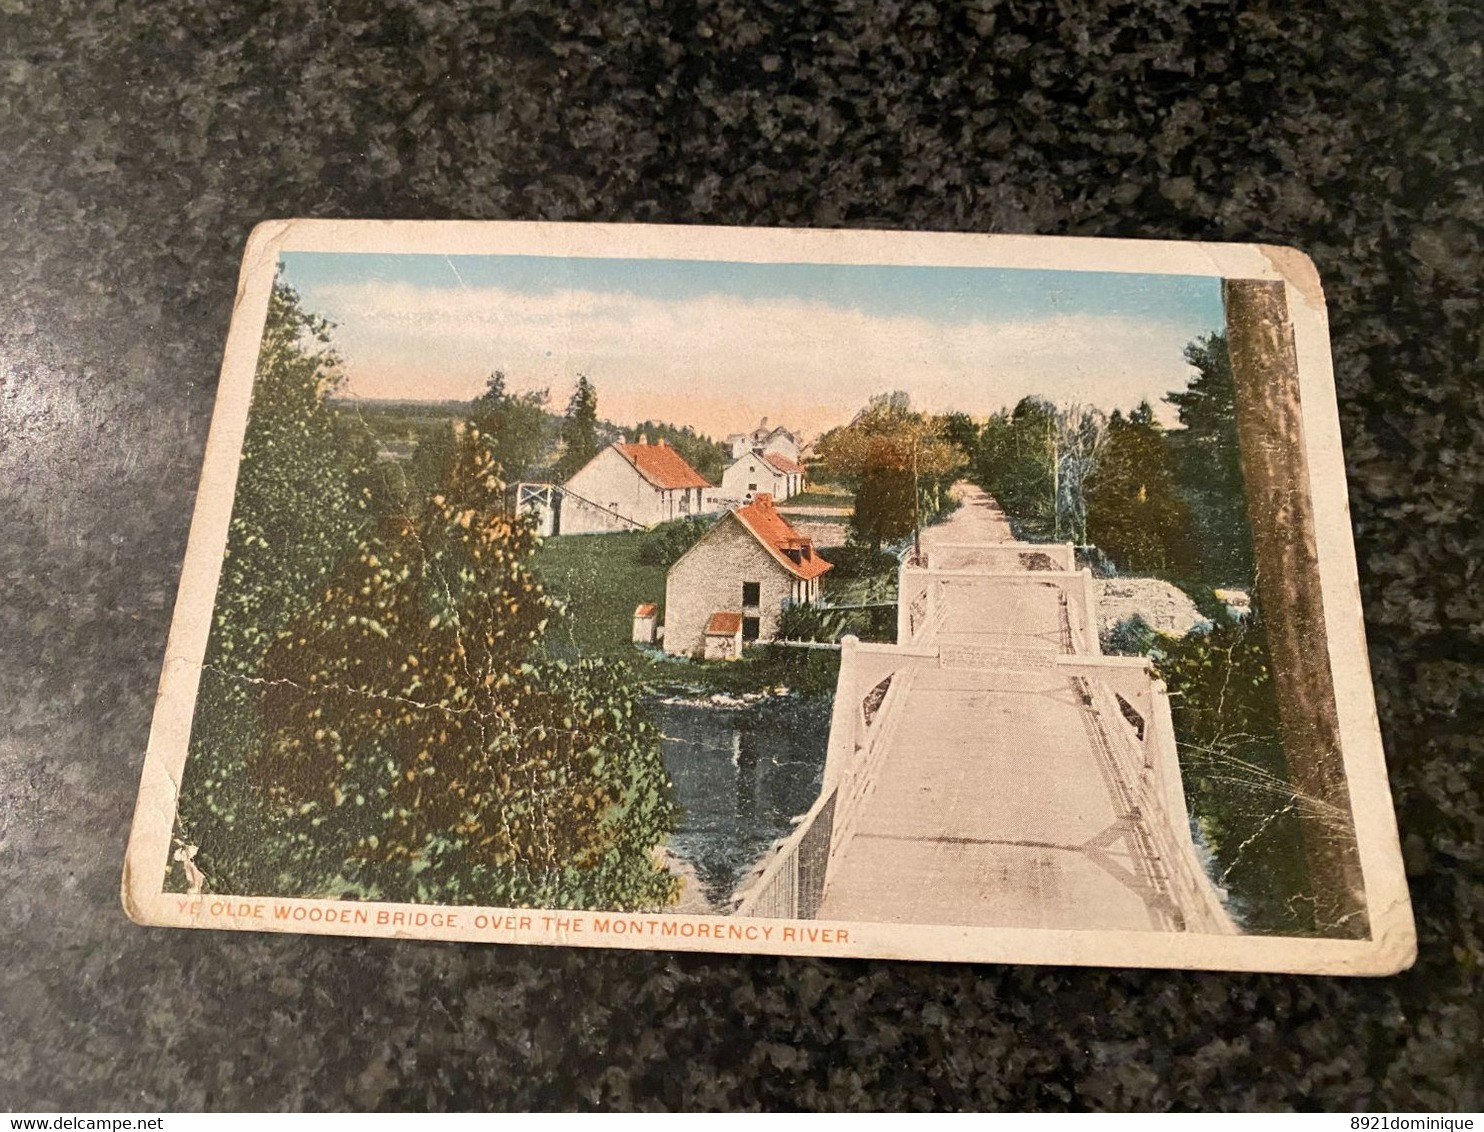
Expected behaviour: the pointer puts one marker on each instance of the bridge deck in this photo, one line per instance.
(992, 807)
(996, 802)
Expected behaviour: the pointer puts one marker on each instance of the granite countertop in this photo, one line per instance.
(140, 142)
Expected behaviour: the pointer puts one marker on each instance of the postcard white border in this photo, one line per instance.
(1393, 943)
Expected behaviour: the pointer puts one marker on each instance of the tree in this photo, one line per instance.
(1077, 443)
(1134, 514)
(1209, 460)
(892, 453)
(303, 497)
(513, 425)
(1015, 462)
(412, 725)
(579, 431)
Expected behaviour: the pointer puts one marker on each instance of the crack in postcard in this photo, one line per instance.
(841, 593)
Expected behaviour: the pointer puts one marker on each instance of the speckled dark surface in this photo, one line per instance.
(139, 142)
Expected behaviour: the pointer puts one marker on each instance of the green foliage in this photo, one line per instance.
(884, 506)
(408, 723)
(376, 716)
(705, 455)
(1132, 636)
(514, 425)
(855, 562)
(1015, 463)
(1134, 513)
(901, 463)
(808, 672)
(664, 543)
(599, 579)
(806, 621)
(579, 430)
(1209, 464)
(1225, 713)
(304, 494)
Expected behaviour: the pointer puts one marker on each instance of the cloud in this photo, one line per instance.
(719, 362)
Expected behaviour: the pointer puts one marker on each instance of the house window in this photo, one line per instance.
(751, 628)
(752, 487)
(752, 595)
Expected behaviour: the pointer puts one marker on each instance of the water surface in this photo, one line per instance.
(740, 775)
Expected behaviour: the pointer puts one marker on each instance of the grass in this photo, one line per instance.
(820, 497)
(601, 580)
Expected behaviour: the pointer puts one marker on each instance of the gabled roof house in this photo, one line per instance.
(631, 486)
(752, 564)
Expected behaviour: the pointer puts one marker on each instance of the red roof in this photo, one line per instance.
(774, 532)
(724, 625)
(783, 464)
(661, 465)
(648, 609)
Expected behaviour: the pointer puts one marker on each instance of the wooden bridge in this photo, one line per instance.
(991, 768)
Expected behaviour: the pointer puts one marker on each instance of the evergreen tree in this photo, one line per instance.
(411, 725)
(579, 430)
(1015, 463)
(1209, 461)
(1134, 514)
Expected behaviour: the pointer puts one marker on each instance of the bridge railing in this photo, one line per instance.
(1134, 708)
(869, 691)
(922, 610)
(1004, 556)
(790, 883)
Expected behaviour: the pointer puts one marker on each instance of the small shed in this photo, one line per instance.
(723, 636)
(646, 620)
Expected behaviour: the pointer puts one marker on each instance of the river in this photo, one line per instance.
(740, 774)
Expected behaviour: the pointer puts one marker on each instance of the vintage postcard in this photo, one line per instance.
(942, 597)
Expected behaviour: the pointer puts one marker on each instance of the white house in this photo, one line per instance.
(755, 473)
(764, 439)
(752, 564)
(628, 487)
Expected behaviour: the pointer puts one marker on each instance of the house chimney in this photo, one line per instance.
(643, 439)
(661, 442)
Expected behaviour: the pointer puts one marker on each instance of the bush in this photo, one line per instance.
(1132, 636)
(857, 561)
(666, 543)
(1225, 712)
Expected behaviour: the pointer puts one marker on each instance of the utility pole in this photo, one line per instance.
(916, 509)
(1055, 479)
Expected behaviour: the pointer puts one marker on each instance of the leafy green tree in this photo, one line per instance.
(1015, 462)
(1209, 462)
(901, 462)
(304, 494)
(579, 431)
(411, 723)
(513, 424)
(1134, 513)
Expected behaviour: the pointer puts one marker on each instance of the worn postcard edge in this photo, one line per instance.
(1392, 946)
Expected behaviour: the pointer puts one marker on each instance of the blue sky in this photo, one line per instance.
(801, 342)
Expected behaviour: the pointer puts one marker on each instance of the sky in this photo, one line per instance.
(718, 345)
